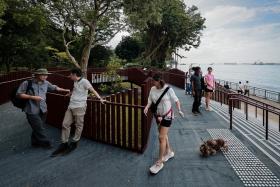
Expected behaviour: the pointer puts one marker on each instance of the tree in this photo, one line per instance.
(129, 48)
(98, 21)
(180, 27)
(100, 56)
(21, 37)
(95, 22)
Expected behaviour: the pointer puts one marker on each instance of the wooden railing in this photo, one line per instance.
(120, 121)
(221, 95)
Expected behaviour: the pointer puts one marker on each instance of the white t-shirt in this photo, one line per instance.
(165, 104)
(80, 93)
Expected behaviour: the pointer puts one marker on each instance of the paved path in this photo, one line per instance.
(96, 164)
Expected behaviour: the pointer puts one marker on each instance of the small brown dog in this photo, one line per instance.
(210, 147)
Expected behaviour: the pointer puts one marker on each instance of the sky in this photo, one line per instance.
(242, 31)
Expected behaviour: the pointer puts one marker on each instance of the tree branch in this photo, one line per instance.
(78, 15)
(107, 41)
(66, 45)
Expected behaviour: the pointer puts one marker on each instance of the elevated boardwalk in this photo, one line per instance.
(96, 164)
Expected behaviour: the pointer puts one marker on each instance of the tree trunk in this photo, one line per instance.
(86, 51)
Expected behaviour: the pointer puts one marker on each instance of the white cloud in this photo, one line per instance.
(225, 15)
(227, 38)
(234, 33)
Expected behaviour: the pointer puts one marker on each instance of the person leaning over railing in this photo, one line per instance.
(159, 101)
(36, 108)
(75, 112)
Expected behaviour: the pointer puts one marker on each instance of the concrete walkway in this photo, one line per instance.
(96, 164)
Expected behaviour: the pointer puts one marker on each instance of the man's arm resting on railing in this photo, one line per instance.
(92, 90)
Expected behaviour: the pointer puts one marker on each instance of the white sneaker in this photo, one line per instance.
(156, 168)
(168, 156)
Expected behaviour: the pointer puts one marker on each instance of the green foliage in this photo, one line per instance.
(100, 56)
(21, 37)
(2, 10)
(112, 71)
(140, 13)
(129, 48)
(180, 27)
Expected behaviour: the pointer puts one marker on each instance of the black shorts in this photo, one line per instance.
(166, 122)
(208, 90)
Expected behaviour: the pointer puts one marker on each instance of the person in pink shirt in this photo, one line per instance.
(209, 81)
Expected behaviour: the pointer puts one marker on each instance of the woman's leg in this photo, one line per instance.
(168, 147)
(207, 100)
(162, 142)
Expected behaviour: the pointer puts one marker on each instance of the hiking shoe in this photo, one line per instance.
(168, 156)
(156, 167)
(72, 146)
(60, 150)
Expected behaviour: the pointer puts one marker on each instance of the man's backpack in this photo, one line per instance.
(18, 102)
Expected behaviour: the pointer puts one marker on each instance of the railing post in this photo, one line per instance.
(265, 94)
(279, 97)
(246, 107)
(230, 113)
(279, 123)
(266, 127)
(263, 116)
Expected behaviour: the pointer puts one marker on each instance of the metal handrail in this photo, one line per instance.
(253, 102)
(267, 94)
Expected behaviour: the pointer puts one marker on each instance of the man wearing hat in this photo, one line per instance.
(36, 107)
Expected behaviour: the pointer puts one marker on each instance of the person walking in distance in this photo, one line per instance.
(196, 90)
(246, 88)
(159, 101)
(240, 88)
(75, 112)
(34, 91)
(209, 82)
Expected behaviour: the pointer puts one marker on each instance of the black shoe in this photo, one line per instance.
(195, 113)
(60, 150)
(72, 146)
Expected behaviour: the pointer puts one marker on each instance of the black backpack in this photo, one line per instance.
(18, 102)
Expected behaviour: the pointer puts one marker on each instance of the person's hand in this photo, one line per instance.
(37, 98)
(181, 113)
(146, 109)
(67, 91)
(102, 101)
(68, 94)
(193, 93)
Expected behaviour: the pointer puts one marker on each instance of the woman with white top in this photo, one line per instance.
(164, 116)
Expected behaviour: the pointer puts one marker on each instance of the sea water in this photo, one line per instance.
(262, 76)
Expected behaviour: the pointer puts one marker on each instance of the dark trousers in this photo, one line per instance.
(246, 92)
(196, 101)
(36, 122)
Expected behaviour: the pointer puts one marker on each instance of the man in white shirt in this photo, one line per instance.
(75, 112)
(246, 88)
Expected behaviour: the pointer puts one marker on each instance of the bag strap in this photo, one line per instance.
(29, 86)
(159, 99)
